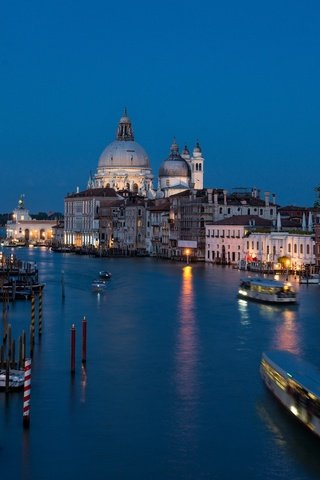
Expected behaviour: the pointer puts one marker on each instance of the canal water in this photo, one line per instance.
(171, 388)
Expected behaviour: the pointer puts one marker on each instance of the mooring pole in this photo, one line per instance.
(62, 286)
(32, 313)
(73, 348)
(84, 340)
(40, 312)
(26, 392)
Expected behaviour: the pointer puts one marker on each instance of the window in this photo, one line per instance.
(308, 249)
(301, 248)
(289, 248)
(295, 248)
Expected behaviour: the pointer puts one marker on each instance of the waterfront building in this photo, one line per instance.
(24, 229)
(317, 244)
(110, 215)
(157, 236)
(191, 210)
(129, 229)
(294, 251)
(81, 223)
(225, 239)
(58, 234)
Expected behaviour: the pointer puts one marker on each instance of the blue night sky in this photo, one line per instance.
(241, 77)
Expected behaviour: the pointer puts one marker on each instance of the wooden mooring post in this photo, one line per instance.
(73, 349)
(84, 340)
(40, 312)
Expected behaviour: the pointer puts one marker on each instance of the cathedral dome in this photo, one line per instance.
(124, 152)
(174, 165)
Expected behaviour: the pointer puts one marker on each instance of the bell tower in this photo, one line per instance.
(197, 164)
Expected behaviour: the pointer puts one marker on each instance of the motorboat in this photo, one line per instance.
(98, 286)
(266, 290)
(295, 383)
(104, 274)
(16, 379)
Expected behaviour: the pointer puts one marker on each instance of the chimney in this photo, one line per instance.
(209, 191)
(273, 199)
(267, 199)
(225, 197)
(215, 198)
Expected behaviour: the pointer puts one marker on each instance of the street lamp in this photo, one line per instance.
(187, 252)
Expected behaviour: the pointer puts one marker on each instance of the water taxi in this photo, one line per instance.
(266, 290)
(295, 383)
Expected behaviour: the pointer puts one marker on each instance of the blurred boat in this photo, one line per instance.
(295, 383)
(104, 274)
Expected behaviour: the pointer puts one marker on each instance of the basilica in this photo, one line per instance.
(125, 166)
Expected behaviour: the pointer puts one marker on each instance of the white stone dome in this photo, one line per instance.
(124, 154)
(174, 165)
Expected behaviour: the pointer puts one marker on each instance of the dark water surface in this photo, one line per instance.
(171, 388)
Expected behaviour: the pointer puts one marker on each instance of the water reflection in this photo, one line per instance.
(187, 341)
(244, 312)
(186, 371)
(287, 335)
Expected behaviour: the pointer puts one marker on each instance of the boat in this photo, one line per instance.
(104, 274)
(313, 278)
(266, 290)
(16, 379)
(295, 383)
(98, 285)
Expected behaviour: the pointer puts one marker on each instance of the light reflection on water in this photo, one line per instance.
(187, 343)
(287, 335)
(186, 367)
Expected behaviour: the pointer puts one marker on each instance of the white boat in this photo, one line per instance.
(16, 379)
(314, 278)
(104, 274)
(295, 383)
(98, 285)
(266, 290)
